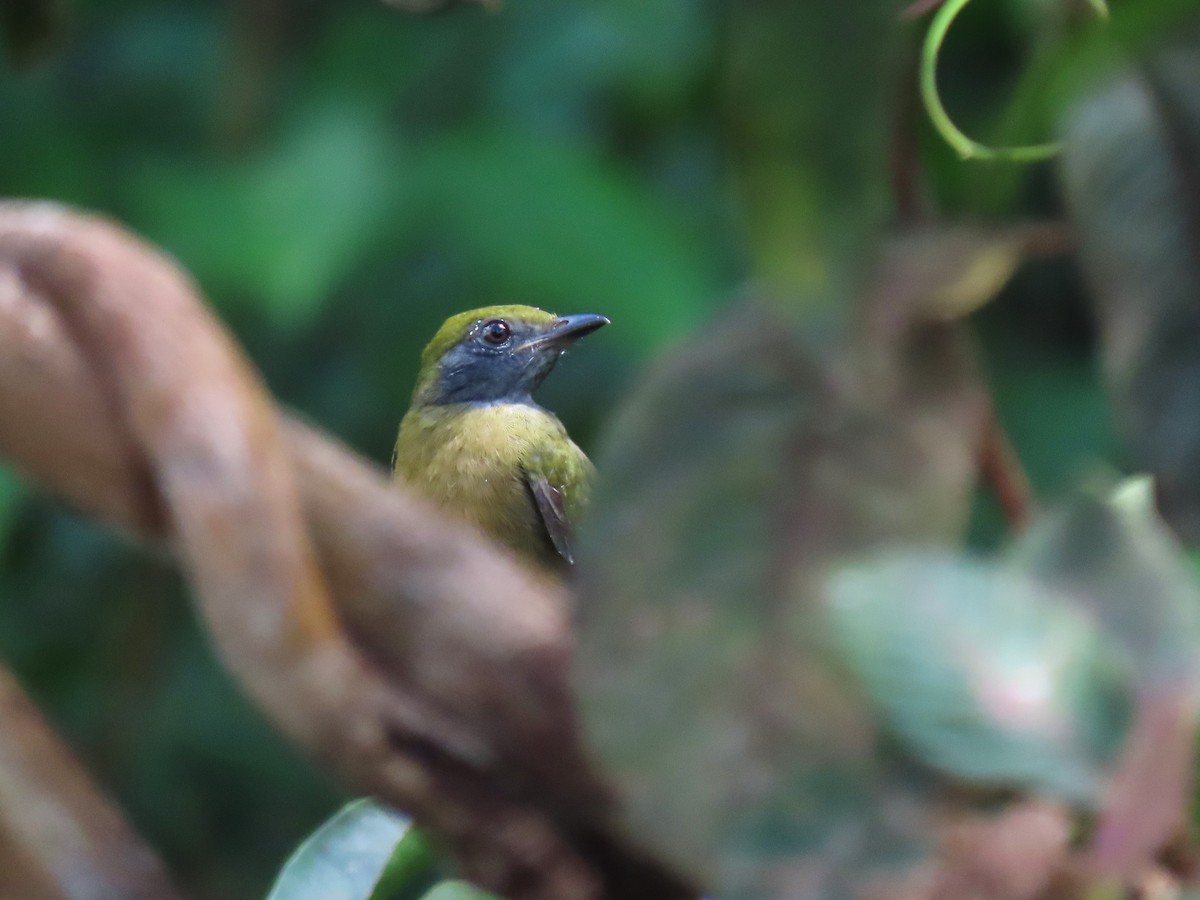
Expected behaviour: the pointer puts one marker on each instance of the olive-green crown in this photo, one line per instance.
(456, 327)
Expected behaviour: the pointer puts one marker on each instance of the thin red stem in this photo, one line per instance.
(1002, 470)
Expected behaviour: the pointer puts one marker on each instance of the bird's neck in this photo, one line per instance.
(433, 396)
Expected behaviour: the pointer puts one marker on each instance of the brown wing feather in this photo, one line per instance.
(553, 509)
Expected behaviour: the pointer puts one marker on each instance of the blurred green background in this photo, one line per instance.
(340, 177)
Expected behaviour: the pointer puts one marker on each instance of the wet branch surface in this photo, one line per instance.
(410, 656)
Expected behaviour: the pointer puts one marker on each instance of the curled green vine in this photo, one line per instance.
(951, 133)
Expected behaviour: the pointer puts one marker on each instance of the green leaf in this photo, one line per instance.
(345, 858)
(983, 672)
(411, 869)
(1105, 557)
(1127, 572)
(1035, 671)
(741, 468)
(1131, 168)
(284, 228)
(457, 890)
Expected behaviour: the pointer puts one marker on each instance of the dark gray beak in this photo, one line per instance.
(569, 329)
(566, 330)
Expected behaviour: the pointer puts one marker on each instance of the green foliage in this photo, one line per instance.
(809, 224)
(714, 652)
(411, 870)
(983, 673)
(348, 855)
(1132, 166)
(547, 220)
(284, 229)
(340, 178)
(738, 472)
(457, 890)
(12, 493)
(366, 852)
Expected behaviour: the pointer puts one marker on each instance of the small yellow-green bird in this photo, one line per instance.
(475, 442)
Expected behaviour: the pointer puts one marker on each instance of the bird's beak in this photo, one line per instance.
(566, 330)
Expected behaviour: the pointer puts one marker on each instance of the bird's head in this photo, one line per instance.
(496, 354)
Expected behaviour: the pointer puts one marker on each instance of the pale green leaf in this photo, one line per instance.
(345, 857)
(983, 672)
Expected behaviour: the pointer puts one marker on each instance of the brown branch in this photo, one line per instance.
(407, 653)
(60, 837)
(1001, 468)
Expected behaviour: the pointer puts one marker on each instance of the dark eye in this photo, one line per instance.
(496, 331)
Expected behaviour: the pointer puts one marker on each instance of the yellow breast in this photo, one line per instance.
(471, 460)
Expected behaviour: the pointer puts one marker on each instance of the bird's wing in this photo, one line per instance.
(552, 507)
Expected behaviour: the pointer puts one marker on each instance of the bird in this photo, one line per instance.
(476, 443)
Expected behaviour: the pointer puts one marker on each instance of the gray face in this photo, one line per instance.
(499, 361)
